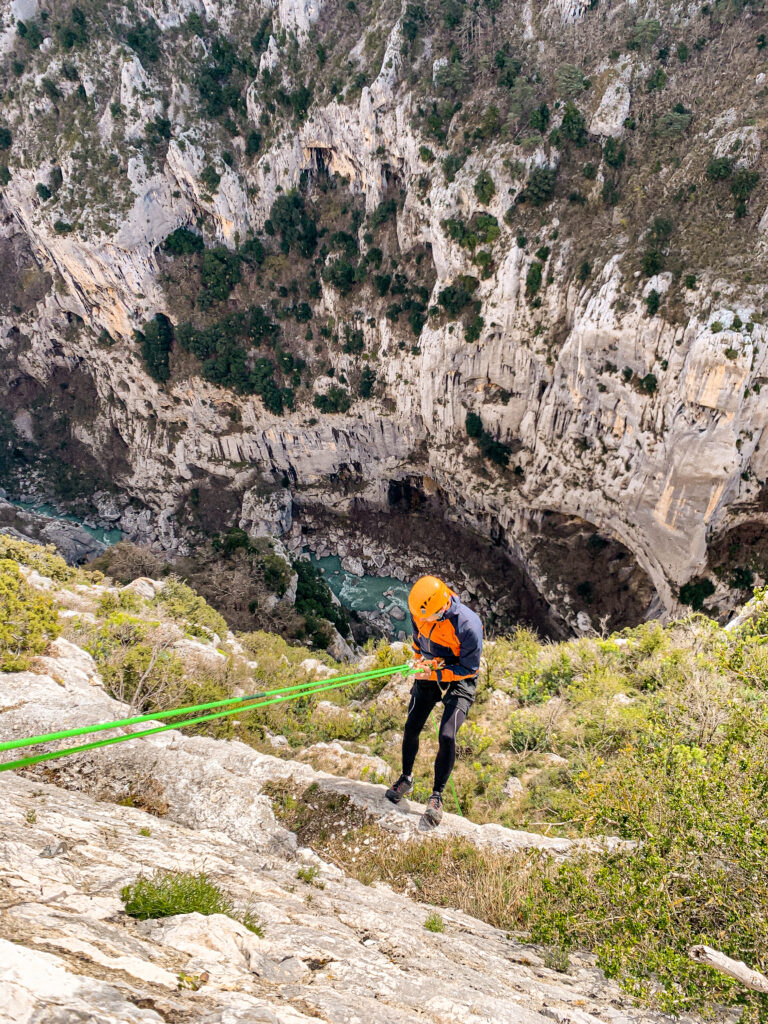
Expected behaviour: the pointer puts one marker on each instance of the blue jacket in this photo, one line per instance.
(457, 638)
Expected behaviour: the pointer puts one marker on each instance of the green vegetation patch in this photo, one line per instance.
(28, 622)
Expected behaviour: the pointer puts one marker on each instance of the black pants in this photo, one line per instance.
(424, 696)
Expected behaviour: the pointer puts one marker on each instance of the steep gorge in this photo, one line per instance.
(582, 282)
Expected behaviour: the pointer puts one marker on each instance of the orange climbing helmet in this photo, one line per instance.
(428, 597)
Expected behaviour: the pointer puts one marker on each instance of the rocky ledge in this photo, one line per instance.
(337, 951)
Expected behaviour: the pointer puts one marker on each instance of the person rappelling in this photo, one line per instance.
(447, 643)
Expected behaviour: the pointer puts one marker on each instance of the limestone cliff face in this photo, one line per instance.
(644, 426)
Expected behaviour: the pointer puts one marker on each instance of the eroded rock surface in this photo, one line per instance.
(335, 950)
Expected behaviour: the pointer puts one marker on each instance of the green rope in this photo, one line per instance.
(136, 719)
(453, 784)
(51, 755)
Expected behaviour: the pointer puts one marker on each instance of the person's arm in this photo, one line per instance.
(470, 636)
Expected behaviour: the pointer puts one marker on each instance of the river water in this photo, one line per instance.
(381, 594)
(107, 537)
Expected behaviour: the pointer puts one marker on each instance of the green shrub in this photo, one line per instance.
(533, 279)
(182, 241)
(656, 81)
(210, 177)
(695, 592)
(73, 32)
(28, 622)
(573, 127)
(385, 211)
(673, 123)
(474, 329)
(43, 191)
(220, 272)
(539, 119)
(720, 168)
(144, 38)
(540, 186)
(609, 193)
(689, 280)
(652, 262)
(253, 143)
(485, 189)
(335, 400)
(456, 296)
(696, 874)
(649, 384)
(156, 339)
(473, 425)
(426, 154)
(314, 600)
(614, 152)
(434, 923)
(62, 227)
(181, 602)
(290, 219)
(644, 34)
(167, 893)
(570, 80)
(452, 164)
(30, 32)
(367, 380)
(742, 185)
(652, 302)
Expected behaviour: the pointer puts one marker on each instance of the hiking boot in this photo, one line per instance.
(401, 787)
(434, 811)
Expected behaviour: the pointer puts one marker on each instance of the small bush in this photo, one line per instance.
(485, 189)
(644, 34)
(181, 602)
(720, 168)
(614, 152)
(43, 191)
(652, 302)
(533, 279)
(334, 400)
(220, 272)
(210, 177)
(652, 263)
(456, 296)
(28, 622)
(540, 186)
(473, 329)
(434, 923)
(573, 127)
(656, 81)
(473, 425)
(695, 592)
(156, 339)
(649, 384)
(452, 164)
(167, 893)
(182, 241)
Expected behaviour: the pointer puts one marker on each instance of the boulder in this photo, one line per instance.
(269, 515)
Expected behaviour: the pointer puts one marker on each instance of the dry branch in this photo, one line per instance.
(735, 968)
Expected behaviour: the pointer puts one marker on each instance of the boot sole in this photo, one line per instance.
(433, 818)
